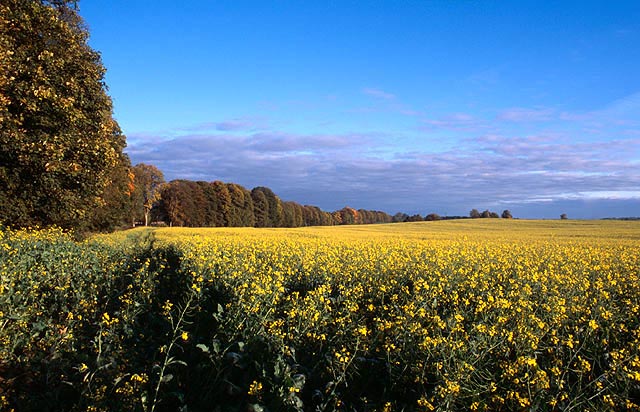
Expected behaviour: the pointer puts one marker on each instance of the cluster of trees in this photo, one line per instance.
(474, 214)
(403, 217)
(202, 204)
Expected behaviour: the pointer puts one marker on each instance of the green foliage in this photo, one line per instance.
(59, 144)
(292, 214)
(116, 208)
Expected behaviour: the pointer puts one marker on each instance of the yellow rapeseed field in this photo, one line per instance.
(482, 314)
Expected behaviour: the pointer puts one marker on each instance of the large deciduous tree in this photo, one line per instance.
(173, 197)
(115, 209)
(147, 181)
(59, 144)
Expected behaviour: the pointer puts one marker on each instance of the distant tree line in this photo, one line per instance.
(217, 204)
(474, 214)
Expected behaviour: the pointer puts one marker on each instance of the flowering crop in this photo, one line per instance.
(427, 316)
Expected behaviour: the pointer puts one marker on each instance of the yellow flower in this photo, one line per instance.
(255, 388)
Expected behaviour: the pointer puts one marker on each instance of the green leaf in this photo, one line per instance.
(178, 362)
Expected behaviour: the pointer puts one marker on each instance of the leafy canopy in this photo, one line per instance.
(59, 144)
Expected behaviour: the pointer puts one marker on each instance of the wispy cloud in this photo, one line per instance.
(377, 93)
(454, 121)
(626, 109)
(519, 114)
(232, 125)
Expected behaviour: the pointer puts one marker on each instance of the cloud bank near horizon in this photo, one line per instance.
(532, 173)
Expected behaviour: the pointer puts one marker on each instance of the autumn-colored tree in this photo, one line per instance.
(297, 215)
(59, 143)
(199, 204)
(276, 215)
(365, 216)
(223, 204)
(310, 216)
(201, 210)
(196, 204)
(172, 195)
(260, 208)
(383, 217)
(347, 216)
(271, 214)
(241, 206)
(190, 203)
(147, 181)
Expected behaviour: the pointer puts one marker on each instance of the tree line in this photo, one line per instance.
(218, 204)
(215, 204)
(473, 214)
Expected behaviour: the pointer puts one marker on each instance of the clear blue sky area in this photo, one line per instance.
(412, 106)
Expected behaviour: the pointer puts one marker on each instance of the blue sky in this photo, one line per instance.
(412, 106)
